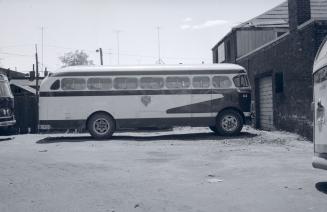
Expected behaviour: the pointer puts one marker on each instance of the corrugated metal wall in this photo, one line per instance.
(249, 40)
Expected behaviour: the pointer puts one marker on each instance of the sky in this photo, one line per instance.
(188, 29)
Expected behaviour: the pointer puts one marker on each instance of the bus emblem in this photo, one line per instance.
(146, 100)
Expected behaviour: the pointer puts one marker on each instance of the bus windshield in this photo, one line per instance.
(5, 89)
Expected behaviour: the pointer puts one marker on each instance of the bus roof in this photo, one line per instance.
(146, 69)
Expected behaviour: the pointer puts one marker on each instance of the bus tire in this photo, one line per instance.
(229, 123)
(101, 126)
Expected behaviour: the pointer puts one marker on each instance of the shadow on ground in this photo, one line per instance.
(182, 137)
(6, 139)
(322, 187)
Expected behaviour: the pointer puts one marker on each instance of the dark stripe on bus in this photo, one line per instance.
(136, 92)
(141, 73)
(135, 123)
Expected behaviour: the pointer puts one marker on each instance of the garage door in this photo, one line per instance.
(266, 116)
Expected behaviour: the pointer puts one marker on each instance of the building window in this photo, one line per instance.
(221, 53)
(279, 82)
(280, 34)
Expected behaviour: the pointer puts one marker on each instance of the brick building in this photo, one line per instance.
(278, 50)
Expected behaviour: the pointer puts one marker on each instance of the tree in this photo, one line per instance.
(75, 58)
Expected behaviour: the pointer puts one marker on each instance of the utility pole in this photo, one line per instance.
(37, 88)
(42, 64)
(117, 36)
(159, 56)
(101, 55)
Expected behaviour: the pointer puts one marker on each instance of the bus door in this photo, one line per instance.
(201, 99)
(320, 119)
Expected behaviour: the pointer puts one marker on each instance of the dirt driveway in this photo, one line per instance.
(188, 169)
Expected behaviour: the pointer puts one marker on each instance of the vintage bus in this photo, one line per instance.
(105, 99)
(7, 117)
(320, 103)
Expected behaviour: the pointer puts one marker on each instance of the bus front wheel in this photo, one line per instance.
(229, 123)
(101, 126)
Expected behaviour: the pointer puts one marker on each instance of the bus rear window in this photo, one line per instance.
(125, 83)
(241, 81)
(73, 84)
(55, 85)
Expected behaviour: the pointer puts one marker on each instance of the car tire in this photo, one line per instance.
(229, 123)
(101, 126)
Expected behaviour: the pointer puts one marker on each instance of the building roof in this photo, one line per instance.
(11, 73)
(278, 16)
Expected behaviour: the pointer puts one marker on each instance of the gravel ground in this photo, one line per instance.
(187, 169)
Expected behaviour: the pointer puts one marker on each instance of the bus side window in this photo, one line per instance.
(152, 82)
(201, 82)
(55, 85)
(73, 84)
(221, 82)
(125, 83)
(178, 82)
(99, 84)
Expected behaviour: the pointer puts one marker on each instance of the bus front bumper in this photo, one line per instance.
(319, 163)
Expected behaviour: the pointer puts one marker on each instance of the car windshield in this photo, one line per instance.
(5, 89)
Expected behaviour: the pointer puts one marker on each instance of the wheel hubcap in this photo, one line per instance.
(101, 126)
(229, 123)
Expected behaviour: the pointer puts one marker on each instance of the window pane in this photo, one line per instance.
(73, 84)
(99, 83)
(241, 81)
(320, 76)
(125, 83)
(152, 82)
(201, 82)
(55, 85)
(221, 82)
(178, 82)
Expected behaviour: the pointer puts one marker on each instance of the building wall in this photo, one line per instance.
(249, 40)
(293, 55)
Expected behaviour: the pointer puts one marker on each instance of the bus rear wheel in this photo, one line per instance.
(101, 126)
(229, 123)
